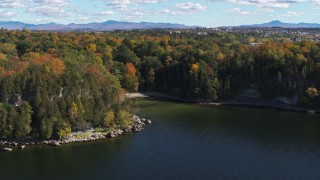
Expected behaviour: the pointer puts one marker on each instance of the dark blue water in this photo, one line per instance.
(185, 141)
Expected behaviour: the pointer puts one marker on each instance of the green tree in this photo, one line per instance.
(124, 118)
(23, 122)
(109, 118)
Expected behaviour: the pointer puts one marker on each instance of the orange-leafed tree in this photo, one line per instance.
(130, 79)
(51, 64)
(131, 69)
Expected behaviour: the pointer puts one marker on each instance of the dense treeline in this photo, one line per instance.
(51, 83)
(221, 65)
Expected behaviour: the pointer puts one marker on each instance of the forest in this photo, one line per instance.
(52, 83)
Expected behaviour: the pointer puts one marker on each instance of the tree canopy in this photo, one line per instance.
(54, 82)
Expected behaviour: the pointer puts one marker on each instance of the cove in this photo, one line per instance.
(185, 141)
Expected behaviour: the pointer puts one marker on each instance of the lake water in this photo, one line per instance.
(185, 141)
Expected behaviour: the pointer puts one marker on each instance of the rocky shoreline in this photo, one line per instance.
(78, 137)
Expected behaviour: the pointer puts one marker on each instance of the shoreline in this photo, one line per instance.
(156, 95)
(263, 104)
(77, 137)
(239, 103)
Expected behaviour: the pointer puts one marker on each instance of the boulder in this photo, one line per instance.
(135, 117)
(7, 149)
(112, 135)
(119, 131)
(127, 130)
(148, 121)
(137, 128)
(55, 143)
(22, 147)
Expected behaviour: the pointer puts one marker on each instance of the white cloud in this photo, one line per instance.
(49, 8)
(316, 3)
(293, 14)
(238, 11)
(49, 11)
(182, 9)
(10, 4)
(133, 14)
(252, 2)
(52, 3)
(121, 5)
(165, 11)
(124, 5)
(130, 9)
(148, 1)
(7, 14)
(275, 5)
(190, 6)
(104, 13)
(265, 6)
(170, 12)
(267, 3)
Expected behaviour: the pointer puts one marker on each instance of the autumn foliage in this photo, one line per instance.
(131, 69)
(75, 80)
(51, 64)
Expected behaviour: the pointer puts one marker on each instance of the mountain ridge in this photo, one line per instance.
(109, 25)
(277, 23)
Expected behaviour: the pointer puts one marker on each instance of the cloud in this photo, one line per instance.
(238, 11)
(104, 13)
(133, 14)
(190, 6)
(293, 14)
(121, 5)
(53, 3)
(10, 4)
(275, 5)
(267, 5)
(148, 1)
(49, 8)
(263, 2)
(49, 11)
(130, 9)
(7, 15)
(124, 5)
(183, 8)
(316, 3)
(170, 12)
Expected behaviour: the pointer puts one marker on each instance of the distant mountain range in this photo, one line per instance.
(104, 26)
(278, 23)
(119, 25)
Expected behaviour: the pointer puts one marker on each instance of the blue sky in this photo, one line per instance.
(208, 13)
